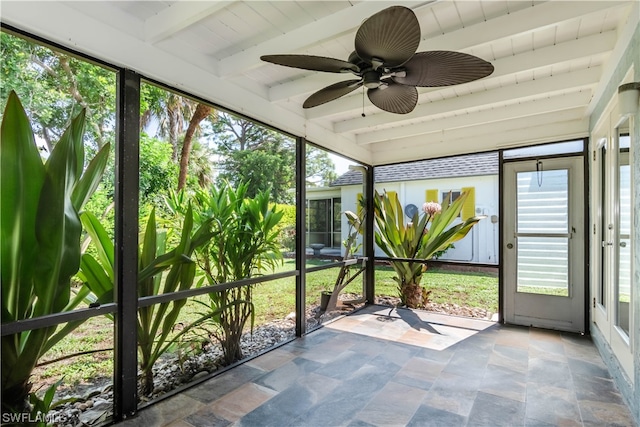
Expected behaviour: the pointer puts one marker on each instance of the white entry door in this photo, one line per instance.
(544, 256)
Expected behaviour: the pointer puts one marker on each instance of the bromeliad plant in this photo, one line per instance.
(245, 244)
(40, 233)
(155, 322)
(419, 239)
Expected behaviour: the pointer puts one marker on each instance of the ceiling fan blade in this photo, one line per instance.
(443, 68)
(395, 98)
(392, 35)
(331, 92)
(312, 62)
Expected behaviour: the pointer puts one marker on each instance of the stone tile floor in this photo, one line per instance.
(378, 367)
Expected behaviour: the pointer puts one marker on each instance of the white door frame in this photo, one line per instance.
(606, 223)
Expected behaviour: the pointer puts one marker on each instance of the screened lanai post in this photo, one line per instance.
(301, 244)
(125, 380)
(501, 275)
(369, 248)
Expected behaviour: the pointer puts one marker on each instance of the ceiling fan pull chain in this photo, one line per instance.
(363, 115)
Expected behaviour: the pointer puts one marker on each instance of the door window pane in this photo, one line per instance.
(602, 295)
(543, 265)
(542, 211)
(624, 237)
(318, 216)
(546, 150)
(543, 201)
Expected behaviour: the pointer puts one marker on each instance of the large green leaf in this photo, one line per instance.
(21, 180)
(89, 181)
(58, 224)
(101, 240)
(40, 237)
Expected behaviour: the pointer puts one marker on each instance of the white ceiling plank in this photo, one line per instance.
(305, 85)
(179, 16)
(313, 33)
(533, 121)
(562, 53)
(520, 22)
(627, 33)
(114, 16)
(527, 90)
(184, 51)
(418, 150)
(552, 104)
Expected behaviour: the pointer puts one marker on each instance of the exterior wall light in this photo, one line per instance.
(628, 95)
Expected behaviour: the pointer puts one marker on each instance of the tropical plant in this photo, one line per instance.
(351, 246)
(414, 240)
(286, 227)
(40, 233)
(155, 322)
(41, 407)
(245, 243)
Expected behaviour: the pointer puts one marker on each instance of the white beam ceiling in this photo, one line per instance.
(553, 62)
(545, 57)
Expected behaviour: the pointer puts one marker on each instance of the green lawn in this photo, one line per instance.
(463, 288)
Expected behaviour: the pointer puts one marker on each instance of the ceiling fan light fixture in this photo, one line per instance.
(371, 79)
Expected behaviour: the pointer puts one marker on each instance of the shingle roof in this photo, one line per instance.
(458, 166)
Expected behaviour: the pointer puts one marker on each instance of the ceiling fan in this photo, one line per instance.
(386, 63)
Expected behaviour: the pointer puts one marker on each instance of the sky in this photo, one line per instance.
(342, 164)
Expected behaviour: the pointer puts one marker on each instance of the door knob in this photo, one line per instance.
(509, 245)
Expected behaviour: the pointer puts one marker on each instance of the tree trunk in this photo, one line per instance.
(412, 295)
(202, 111)
(16, 398)
(147, 381)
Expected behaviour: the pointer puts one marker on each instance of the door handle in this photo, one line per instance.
(607, 244)
(623, 244)
(509, 245)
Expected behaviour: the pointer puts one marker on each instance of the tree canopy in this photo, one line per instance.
(187, 143)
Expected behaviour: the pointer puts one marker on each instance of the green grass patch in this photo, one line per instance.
(470, 289)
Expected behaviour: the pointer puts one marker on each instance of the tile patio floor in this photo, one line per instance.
(412, 368)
